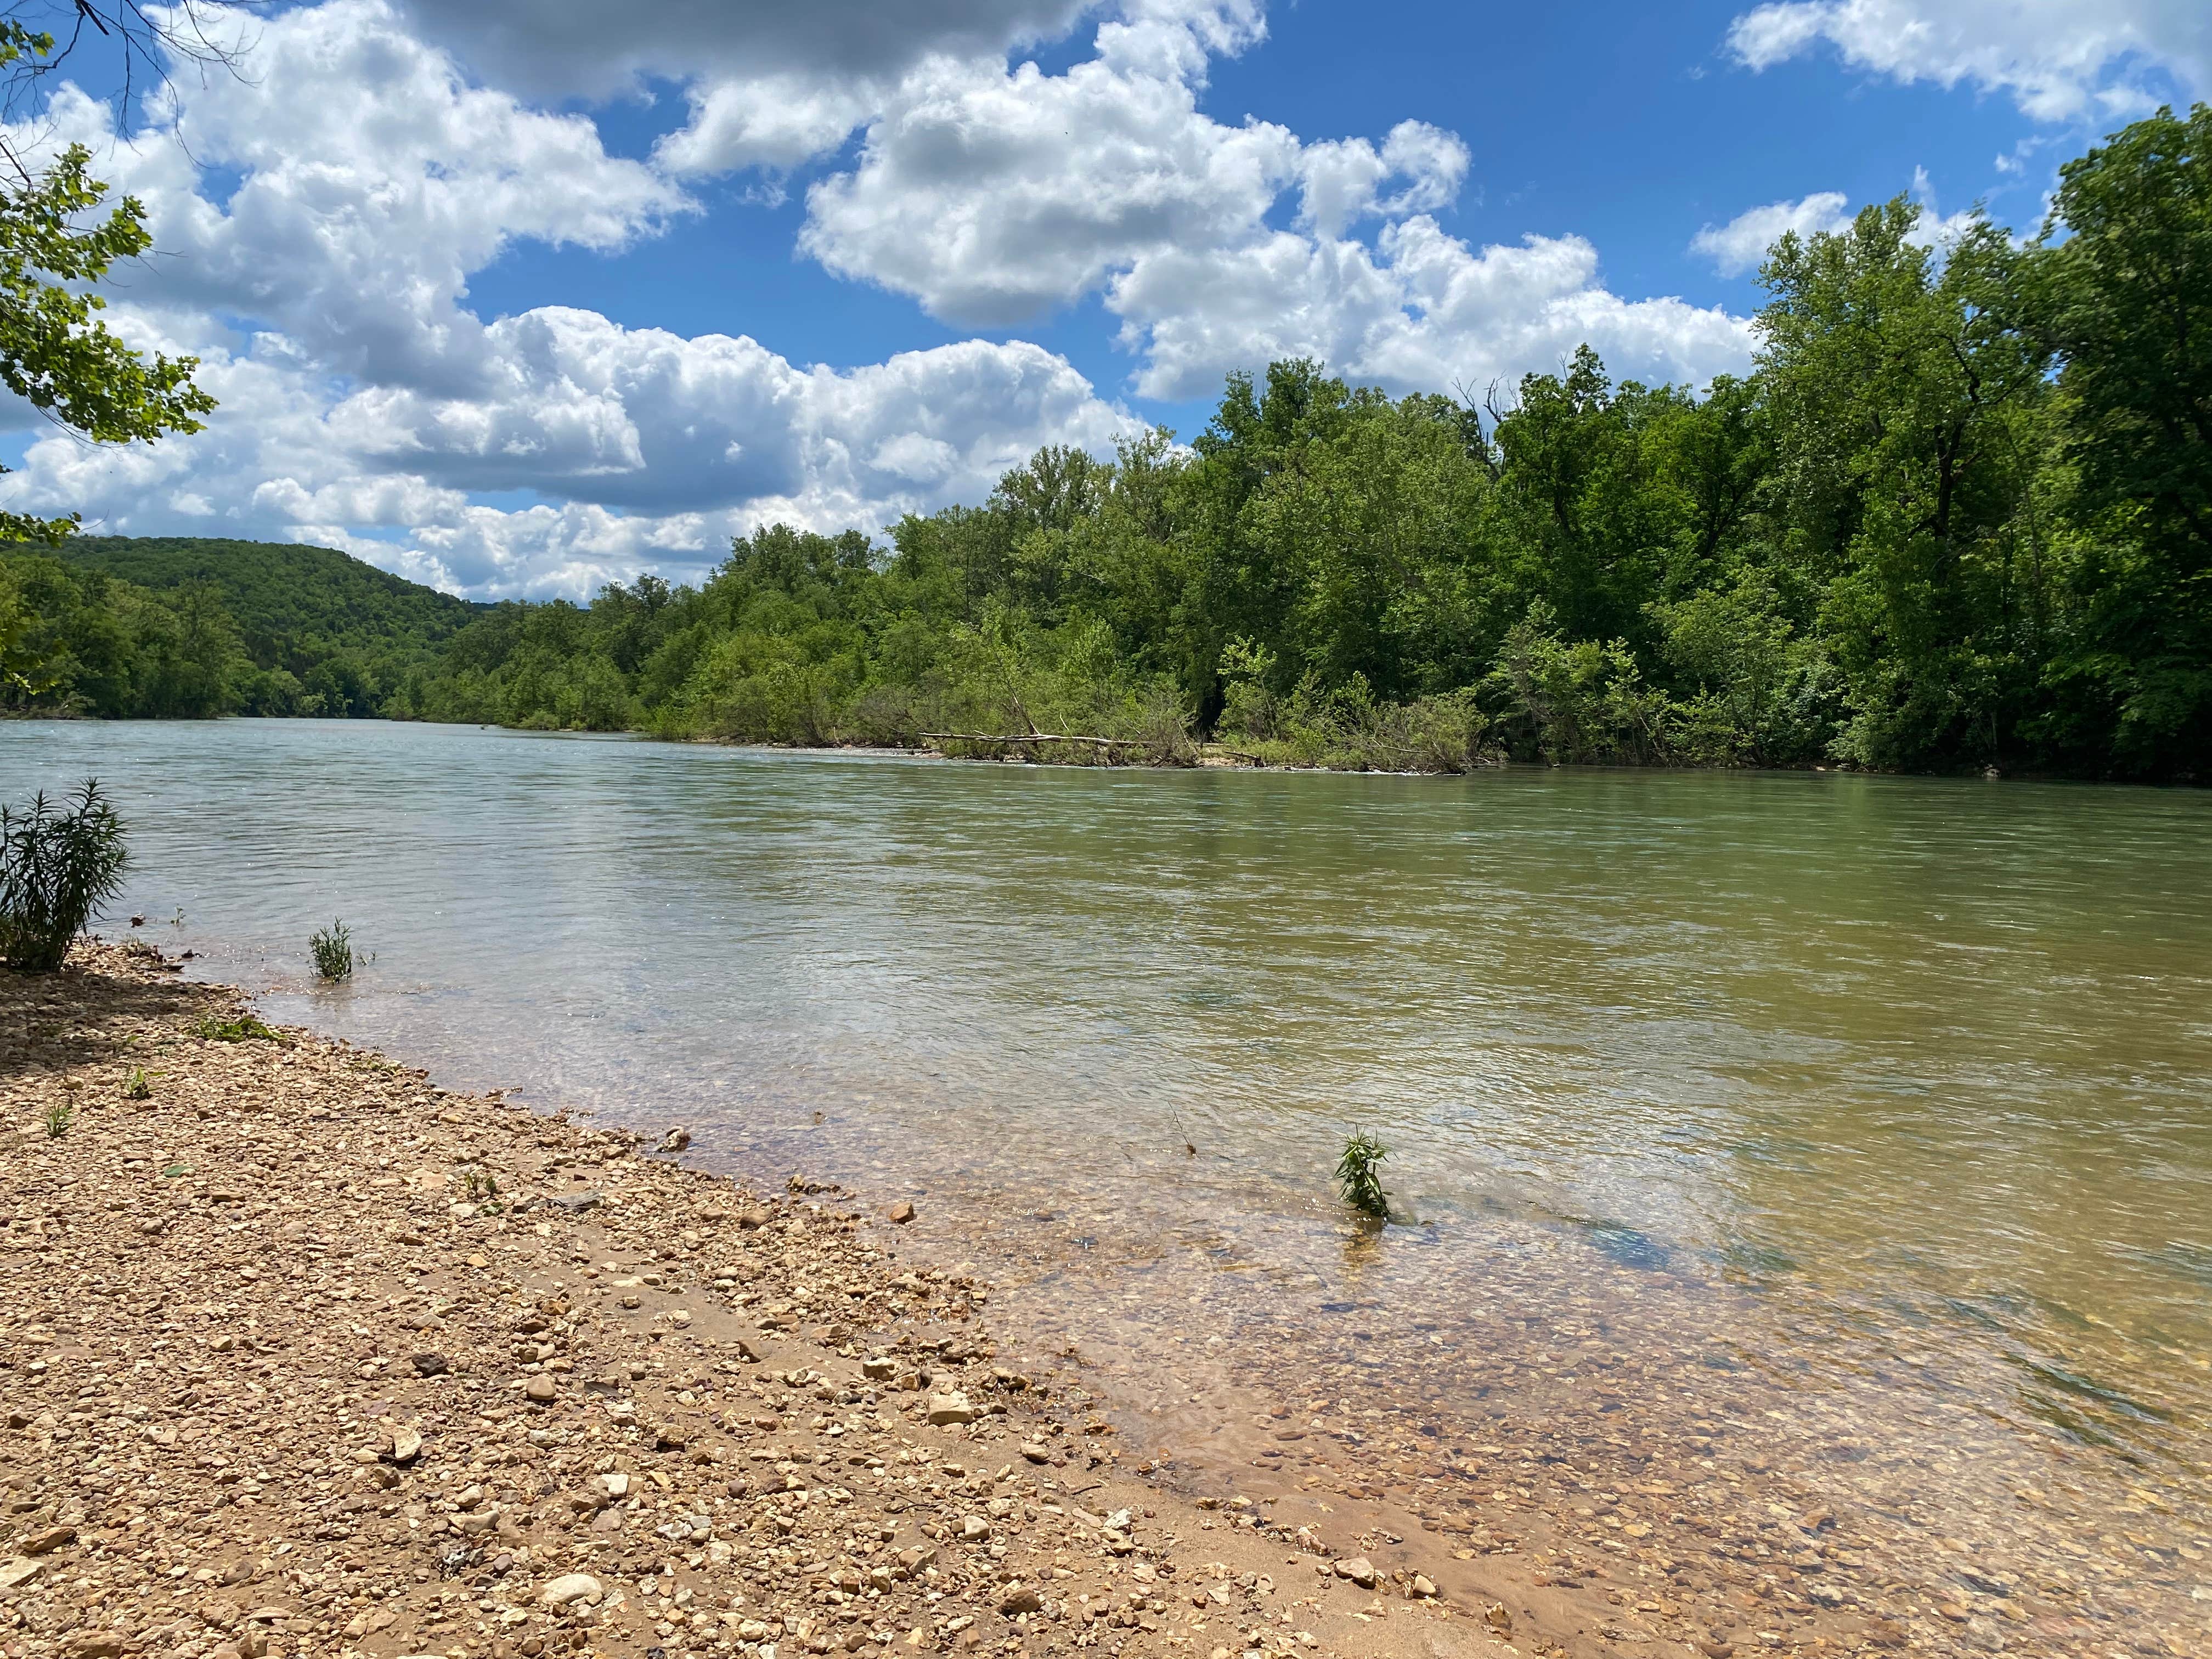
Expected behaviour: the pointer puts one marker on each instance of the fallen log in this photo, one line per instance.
(1036, 738)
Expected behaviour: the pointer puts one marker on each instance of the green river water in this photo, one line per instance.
(1876, 1113)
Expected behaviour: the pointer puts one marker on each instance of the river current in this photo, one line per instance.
(1856, 1128)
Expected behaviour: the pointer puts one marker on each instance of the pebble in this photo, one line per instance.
(570, 1587)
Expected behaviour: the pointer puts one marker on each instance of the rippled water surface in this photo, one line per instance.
(1926, 1062)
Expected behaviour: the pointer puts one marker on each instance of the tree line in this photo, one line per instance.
(1959, 515)
(139, 628)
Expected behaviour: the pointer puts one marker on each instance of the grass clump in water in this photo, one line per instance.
(59, 862)
(1357, 1175)
(333, 950)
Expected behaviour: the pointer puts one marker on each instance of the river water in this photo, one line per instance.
(1856, 1129)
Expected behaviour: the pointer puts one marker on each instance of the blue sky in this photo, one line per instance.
(1630, 125)
(511, 311)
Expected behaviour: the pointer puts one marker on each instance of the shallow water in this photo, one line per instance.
(1896, 1093)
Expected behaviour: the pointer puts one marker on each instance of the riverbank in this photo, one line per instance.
(305, 1355)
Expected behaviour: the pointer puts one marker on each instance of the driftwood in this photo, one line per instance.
(1035, 738)
(1107, 744)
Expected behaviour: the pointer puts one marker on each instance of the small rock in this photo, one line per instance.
(21, 1570)
(96, 1643)
(429, 1364)
(754, 1219)
(1422, 1588)
(1359, 1569)
(1496, 1618)
(1036, 1452)
(539, 1388)
(901, 1212)
(950, 1408)
(879, 1368)
(615, 1486)
(52, 1538)
(1020, 1599)
(576, 1203)
(406, 1446)
(1717, 1649)
(975, 1528)
(570, 1587)
(676, 1141)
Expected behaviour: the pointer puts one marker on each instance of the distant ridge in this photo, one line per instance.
(291, 601)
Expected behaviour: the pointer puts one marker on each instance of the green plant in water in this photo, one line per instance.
(1357, 1176)
(59, 862)
(246, 1029)
(138, 1088)
(332, 949)
(58, 1119)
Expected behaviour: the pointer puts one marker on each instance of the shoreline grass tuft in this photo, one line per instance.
(59, 862)
(245, 1029)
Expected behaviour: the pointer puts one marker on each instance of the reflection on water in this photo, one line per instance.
(1902, 1080)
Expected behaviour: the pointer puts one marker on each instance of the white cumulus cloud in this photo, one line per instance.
(2059, 60)
(1740, 245)
(557, 48)
(993, 194)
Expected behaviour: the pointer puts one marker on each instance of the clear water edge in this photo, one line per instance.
(1890, 1090)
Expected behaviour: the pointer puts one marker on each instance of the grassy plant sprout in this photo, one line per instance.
(1357, 1175)
(333, 950)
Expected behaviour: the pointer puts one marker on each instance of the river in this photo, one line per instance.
(1840, 1109)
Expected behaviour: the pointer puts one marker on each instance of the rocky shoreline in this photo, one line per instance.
(302, 1355)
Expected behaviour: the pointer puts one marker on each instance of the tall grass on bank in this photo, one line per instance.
(59, 864)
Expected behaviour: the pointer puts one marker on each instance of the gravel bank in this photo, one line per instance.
(300, 1355)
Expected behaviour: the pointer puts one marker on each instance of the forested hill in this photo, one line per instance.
(192, 627)
(284, 596)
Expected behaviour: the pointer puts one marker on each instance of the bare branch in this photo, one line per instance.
(132, 50)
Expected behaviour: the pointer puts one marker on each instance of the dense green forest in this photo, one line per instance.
(1959, 516)
(157, 626)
